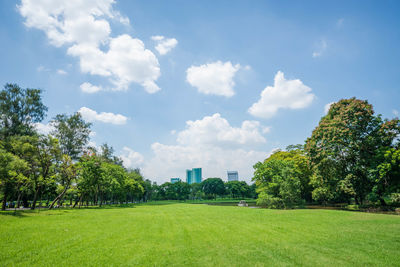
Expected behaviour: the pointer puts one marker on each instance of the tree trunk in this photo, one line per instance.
(383, 203)
(35, 198)
(77, 201)
(58, 198)
(3, 206)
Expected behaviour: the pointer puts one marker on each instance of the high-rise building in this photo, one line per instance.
(194, 176)
(233, 176)
(174, 180)
(189, 179)
(197, 177)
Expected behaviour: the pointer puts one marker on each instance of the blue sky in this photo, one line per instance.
(173, 85)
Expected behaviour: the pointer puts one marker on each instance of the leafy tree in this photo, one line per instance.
(72, 132)
(19, 110)
(213, 187)
(343, 150)
(278, 183)
(66, 174)
(12, 177)
(238, 189)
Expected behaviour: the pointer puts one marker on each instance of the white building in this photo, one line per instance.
(233, 176)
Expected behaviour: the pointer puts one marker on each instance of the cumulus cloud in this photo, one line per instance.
(211, 143)
(327, 107)
(395, 112)
(164, 45)
(90, 88)
(285, 94)
(84, 27)
(106, 117)
(131, 158)
(213, 78)
(215, 130)
(321, 47)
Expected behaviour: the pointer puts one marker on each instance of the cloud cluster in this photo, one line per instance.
(285, 94)
(131, 158)
(327, 107)
(164, 45)
(211, 143)
(215, 130)
(213, 78)
(83, 26)
(106, 117)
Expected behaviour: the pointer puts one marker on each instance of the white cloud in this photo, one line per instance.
(327, 107)
(62, 72)
(286, 94)
(213, 78)
(90, 88)
(131, 158)
(164, 45)
(395, 112)
(43, 128)
(211, 143)
(106, 117)
(215, 130)
(84, 27)
(321, 47)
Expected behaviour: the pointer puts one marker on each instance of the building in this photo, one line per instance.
(194, 176)
(174, 180)
(233, 176)
(189, 176)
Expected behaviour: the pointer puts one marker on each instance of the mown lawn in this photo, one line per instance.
(198, 235)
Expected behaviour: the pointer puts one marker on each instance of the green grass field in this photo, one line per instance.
(198, 235)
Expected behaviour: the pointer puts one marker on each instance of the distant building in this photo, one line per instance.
(174, 180)
(189, 176)
(233, 176)
(194, 176)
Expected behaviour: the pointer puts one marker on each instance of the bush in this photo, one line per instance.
(270, 201)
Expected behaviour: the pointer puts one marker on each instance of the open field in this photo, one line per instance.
(198, 235)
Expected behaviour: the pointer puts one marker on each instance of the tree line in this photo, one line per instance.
(210, 188)
(61, 167)
(352, 156)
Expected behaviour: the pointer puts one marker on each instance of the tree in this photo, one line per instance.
(12, 177)
(213, 187)
(72, 132)
(66, 173)
(238, 189)
(19, 110)
(343, 150)
(278, 183)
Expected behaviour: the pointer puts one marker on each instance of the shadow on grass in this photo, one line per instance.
(17, 213)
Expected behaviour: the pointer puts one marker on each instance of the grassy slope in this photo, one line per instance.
(198, 235)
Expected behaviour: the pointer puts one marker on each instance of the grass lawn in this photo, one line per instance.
(198, 235)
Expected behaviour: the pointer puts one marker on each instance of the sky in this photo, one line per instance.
(174, 85)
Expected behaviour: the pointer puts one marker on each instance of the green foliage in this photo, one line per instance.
(72, 133)
(19, 109)
(278, 183)
(343, 150)
(213, 187)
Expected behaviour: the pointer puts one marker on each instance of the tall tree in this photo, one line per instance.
(343, 149)
(19, 110)
(72, 133)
